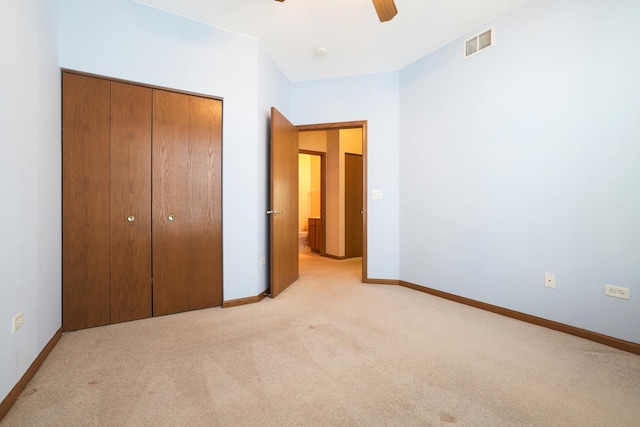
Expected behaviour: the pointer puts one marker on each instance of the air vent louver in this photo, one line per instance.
(478, 43)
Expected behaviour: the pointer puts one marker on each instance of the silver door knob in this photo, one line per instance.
(130, 218)
(274, 212)
(171, 217)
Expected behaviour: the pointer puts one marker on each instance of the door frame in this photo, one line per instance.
(323, 195)
(359, 124)
(350, 180)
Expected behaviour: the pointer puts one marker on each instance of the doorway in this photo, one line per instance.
(284, 207)
(336, 144)
(311, 200)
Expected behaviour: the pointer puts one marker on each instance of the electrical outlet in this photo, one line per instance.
(263, 262)
(550, 280)
(18, 320)
(616, 291)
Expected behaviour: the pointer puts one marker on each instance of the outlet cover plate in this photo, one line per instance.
(616, 291)
(550, 280)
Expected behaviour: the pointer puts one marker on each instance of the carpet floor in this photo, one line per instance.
(331, 351)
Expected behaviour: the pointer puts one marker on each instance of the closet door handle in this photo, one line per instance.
(171, 217)
(131, 218)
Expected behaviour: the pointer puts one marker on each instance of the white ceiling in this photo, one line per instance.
(357, 42)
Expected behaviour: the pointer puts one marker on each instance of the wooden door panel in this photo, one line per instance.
(353, 205)
(170, 181)
(187, 257)
(284, 199)
(130, 202)
(205, 201)
(85, 202)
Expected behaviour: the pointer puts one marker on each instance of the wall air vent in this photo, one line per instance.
(478, 43)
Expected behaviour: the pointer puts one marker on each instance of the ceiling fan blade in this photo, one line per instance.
(386, 9)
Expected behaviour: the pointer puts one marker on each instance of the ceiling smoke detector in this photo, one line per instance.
(321, 51)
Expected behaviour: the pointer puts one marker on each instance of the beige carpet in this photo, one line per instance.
(331, 351)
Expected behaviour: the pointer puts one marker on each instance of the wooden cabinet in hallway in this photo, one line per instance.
(315, 235)
(142, 217)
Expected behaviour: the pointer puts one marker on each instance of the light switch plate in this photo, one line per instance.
(17, 322)
(376, 194)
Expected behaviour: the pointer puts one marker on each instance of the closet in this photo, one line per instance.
(141, 201)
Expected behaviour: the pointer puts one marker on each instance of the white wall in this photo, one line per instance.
(525, 159)
(128, 40)
(30, 179)
(373, 98)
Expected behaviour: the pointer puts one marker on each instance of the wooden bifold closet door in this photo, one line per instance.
(131, 250)
(186, 202)
(130, 204)
(86, 110)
